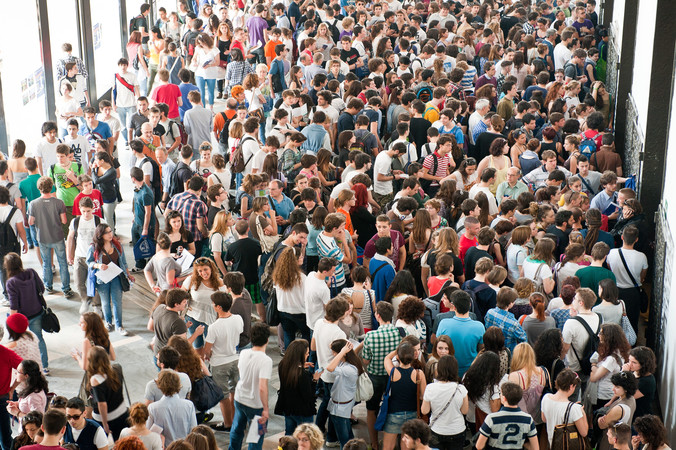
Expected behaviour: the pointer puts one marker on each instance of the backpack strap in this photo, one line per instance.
(11, 213)
(76, 223)
(373, 275)
(587, 184)
(626, 268)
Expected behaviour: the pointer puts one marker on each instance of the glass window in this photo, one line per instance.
(23, 77)
(133, 9)
(106, 39)
(62, 29)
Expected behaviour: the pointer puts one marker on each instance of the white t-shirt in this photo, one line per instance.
(291, 301)
(258, 159)
(146, 167)
(317, 295)
(209, 73)
(636, 261)
(492, 204)
(330, 111)
(575, 334)
(100, 438)
(452, 421)
(249, 148)
(326, 332)
(65, 106)
(84, 236)
(605, 390)
(47, 152)
(253, 366)
(340, 187)
(530, 269)
(562, 55)
(224, 336)
(125, 97)
(80, 148)
(251, 97)
(383, 165)
(17, 217)
(555, 411)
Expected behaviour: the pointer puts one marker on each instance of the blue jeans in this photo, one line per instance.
(323, 413)
(32, 236)
(210, 85)
(243, 416)
(343, 429)
(125, 112)
(199, 341)
(291, 324)
(60, 250)
(291, 422)
(35, 325)
(111, 294)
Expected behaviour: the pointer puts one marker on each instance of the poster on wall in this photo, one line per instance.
(39, 77)
(33, 86)
(96, 31)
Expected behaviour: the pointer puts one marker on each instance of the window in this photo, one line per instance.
(106, 40)
(62, 16)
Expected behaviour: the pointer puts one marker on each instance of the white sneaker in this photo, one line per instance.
(122, 331)
(84, 307)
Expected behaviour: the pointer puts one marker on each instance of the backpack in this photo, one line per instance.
(237, 158)
(335, 32)
(591, 346)
(424, 183)
(532, 397)
(588, 146)
(76, 222)
(8, 241)
(132, 24)
(473, 293)
(181, 132)
(224, 135)
(476, 62)
(156, 183)
(424, 93)
(191, 43)
(266, 279)
(360, 143)
(176, 186)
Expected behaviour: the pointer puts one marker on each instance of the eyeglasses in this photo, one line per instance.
(73, 417)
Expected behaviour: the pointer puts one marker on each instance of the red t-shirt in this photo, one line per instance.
(593, 134)
(169, 94)
(96, 199)
(42, 447)
(8, 360)
(466, 244)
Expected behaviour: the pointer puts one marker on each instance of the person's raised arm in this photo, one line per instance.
(339, 357)
(389, 365)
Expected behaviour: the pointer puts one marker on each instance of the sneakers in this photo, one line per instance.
(69, 293)
(45, 371)
(207, 417)
(332, 444)
(51, 291)
(220, 427)
(4, 302)
(136, 270)
(110, 326)
(122, 331)
(86, 304)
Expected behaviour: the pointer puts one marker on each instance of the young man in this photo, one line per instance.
(217, 196)
(65, 177)
(509, 421)
(89, 192)
(505, 107)
(220, 349)
(78, 83)
(378, 344)
(561, 229)
(86, 433)
(241, 305)
(485, 238)
(606, 200)
(198, 121)
(381, 267)
(44, 213)
(401, 214)
(619, 436)
(167, 358)
(484, 295)
(168, 323)
(94, 129)
(575, 336)
(383, 189)
(251, 393)
(317, 292)
(591, 275)
(332, 243)
(167, 93)
(185, 87)
(54, 427)
(438, 165)
(125, 92)
(469, 208)
(45, 152)
(29, 192)
(244, 253)
(79, 145)
(280, 203)
(326, 330)
(144, 217)
(137, 119)
(415, 434)
(105, 116)
(505, 320)
(537, 178)
(384, 229)
(80, 236)
(469, 237)
(172, 413)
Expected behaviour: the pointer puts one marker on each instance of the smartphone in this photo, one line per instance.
(262, 428)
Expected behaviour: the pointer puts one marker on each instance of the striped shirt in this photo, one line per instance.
(467, 82)
(328, 248)
(508, 428)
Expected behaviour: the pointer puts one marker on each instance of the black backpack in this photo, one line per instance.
(224, 135)
(589, 348)
(8, 241)
(76, 223)
(176, 185)
(473, 293)
(156, 183)
(335, 32)
(133, 25)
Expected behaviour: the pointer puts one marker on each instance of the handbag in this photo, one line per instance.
(272, 316)
(382, 413)
(566, 436)
(627, 328)
(267, 242)
(144, 248)
(205, 394)
(364, 388)
(642, 294)
(50, 323)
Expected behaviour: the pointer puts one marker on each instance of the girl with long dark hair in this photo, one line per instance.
(295, 399)
(105, 382)
(201, 284)
(32, 392)
(481, 381)
(612, 353)
(346, 366)
(104, 175)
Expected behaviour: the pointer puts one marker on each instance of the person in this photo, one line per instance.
(243, 254)
(558, 410)
(167, 358)
(162, 267)
(536, 323)
(612, 353)
(53, 427)
(175, 415)
(193, 210)
(32, 390)
(104, 251)
(198, 121)
(144, 217)
(86, 433)
(362, 297)
(295, 399)
(505, 320)
(481, 381)
(221, 349)
(138, 417)
(384, 229)
(106, 384)
(43, 213)
(575, 336)
(346, 366)
(620, 410)
(24, 288)
(611, 307)
(294, 291)
(381, 267)
(222, 235)
(251, 393)
(30, 424)
(181, 239)
(166, 321)
(651, 433)
(590, 276)
(80, 235)
(105, 177)
(642, 364)
(537, 266)
(308, 436)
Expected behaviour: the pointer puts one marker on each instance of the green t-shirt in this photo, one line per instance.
(591, 276)
(65, 188)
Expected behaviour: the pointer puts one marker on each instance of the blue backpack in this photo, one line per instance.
(588, 146)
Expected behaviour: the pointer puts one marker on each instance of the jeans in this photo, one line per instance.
(243, 416)
(5, 427)
(125, 112)
(291, 422)
(203, 84)
(35, 325)
(199, 341)
(292, 323)
(48, 278)
(32, 236)
(135, 236)
(152, 72)
(108, 210)
(111, 294)
(323, 413)
(343, 429)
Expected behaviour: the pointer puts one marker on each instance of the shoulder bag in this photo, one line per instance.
(382, 413)
(566, 436)
(205, 394)
(642, 294)
(50, 323)
(626, 327)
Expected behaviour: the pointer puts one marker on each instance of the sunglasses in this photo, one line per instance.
(73, 417)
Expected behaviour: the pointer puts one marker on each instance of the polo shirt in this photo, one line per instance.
(466, 335)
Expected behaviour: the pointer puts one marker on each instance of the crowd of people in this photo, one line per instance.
(422, 200)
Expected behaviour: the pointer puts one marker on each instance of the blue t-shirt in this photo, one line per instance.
(381, 281)
(282, 208)
(185, 88)
(101, 131)
(142, 198)
(466, 335)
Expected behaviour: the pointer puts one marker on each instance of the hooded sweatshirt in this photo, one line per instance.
(22, 290)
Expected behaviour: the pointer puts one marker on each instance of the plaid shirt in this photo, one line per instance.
(560, 316)
(235, 73)
(61, 66)
(510, 327)
(290, 158)
(377, 345)
(192, 208)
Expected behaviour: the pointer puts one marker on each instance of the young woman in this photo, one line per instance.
(556, 408)
(418, 243)
(104, 175)
(307, 436)
(498, 160)
(203, 282)
(351, 324)
(569, 264)
(611, 307)
(105, 250)
(446, 401)
(409, 317)
(223, 40)
(17, 163)
(316, 226)
(21, 339)
(537, 267)
(363, 221)
(237, 69)
(254, 97)
(612, 353)
(30, 425)
(271, 166)
(642, 363)
(444, 276)
(361, 296)
(67, 107)
(172, 61)
(203, 166)
(181, 239)
(620, 410)
(346, 366)
(494, 341)
(407, 385)
(191, 364)
(530, 378)
(95, 334)
(32, 392)
(572, 147)
(138, 416)
(442, 347)
(517, 253)
(295, 400)
(162, 267)
(548, 349)
(536, 323)
(206, 64)
(106, 385)
(155, 47)
(481, 381)
(344, 203)
(447, 243)
(402, 286)
(222, 234)
(651, 433)
(245, 194)
(138, 61)
(326, 169)
(517, 138)
(433, 207)
(289, 282)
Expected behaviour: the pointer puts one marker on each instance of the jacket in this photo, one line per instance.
(22, 291)
(91, 260)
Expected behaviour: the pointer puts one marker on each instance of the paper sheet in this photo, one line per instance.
(300, 111)
(106, 276)
(252, 436)
(185, 261)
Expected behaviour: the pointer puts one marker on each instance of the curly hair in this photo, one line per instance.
(129, 443)
(189, 363)
(196, 280)
(652, 430)
(627, 381)
(95, 330)
(313, 433)
(548, 347)
(646, 359)
(287, 273)
(524, 287)
(411, 309)
(614, 343)
(482, 375)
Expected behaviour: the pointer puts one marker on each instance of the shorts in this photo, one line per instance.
(379, 386)
(395, 420)
(254, 292)
(226, 376)
(383, 200)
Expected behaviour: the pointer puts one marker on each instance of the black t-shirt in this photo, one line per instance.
(457, 264)
(244, 254)
(211, 215)
(142, 22)
(350, 57)
(507, 23)
(647, 387)
(483, 144)
(471, 257)
(184, 242)
(345, 122)
(418, 131)
(562, 240)
(103, 393)
(136, 121)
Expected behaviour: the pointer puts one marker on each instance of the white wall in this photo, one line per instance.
(645, 35)
(618, 20)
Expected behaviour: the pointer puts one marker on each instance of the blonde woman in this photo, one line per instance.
(220, 237)
(309, 437)
(324, 40)
(527, 374)
(446, 243)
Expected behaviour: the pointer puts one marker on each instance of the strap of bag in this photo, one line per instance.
(589, 332)
(124, 82)
(537, 273)
(376, 271)
(443, 410)
(567, 415)
(588, 186)
(9, 217)
(174, 65)
(626, 268)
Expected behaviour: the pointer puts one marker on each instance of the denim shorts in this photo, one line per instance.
(395, 420)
